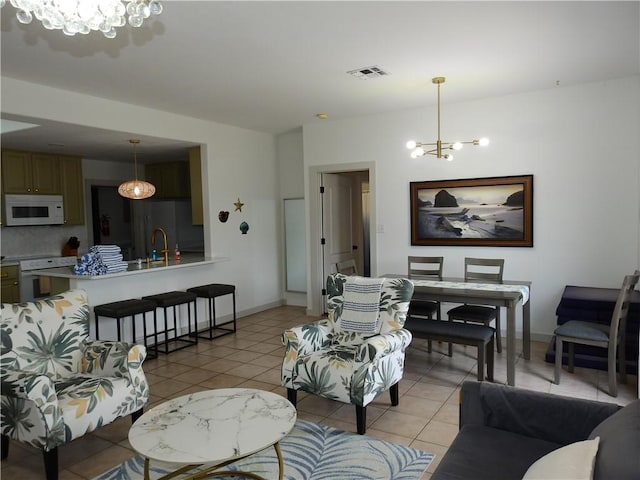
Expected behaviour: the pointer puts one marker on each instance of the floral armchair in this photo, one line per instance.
(342, 361)
(57, 384)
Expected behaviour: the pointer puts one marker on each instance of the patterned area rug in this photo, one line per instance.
(313, 452)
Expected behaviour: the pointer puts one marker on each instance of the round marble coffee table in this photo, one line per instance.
(213, 428)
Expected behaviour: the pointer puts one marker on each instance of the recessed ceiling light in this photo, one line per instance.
(322, 116)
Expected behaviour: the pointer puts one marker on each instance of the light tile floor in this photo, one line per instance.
(426, 418)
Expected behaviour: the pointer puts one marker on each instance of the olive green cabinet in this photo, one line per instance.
(72, 192)
(10, 287)
(171, 179)
(45, 174)
(30, 173)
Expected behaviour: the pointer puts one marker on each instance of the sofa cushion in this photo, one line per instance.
(619, 444)
(485, 453)
(574, 461)
(87, 402)
(554, 418)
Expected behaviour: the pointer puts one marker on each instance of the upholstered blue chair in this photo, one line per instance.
(611, 337)
(358, 351)
(58, 384)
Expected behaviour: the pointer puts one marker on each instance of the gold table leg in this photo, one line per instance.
(210, 473)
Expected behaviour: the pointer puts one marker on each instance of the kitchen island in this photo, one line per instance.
(148, 278)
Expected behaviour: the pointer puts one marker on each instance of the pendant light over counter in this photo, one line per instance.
(136, 189)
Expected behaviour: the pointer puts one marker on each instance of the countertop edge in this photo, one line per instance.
(64, 272)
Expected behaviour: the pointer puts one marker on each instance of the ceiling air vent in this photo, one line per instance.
(368, 72)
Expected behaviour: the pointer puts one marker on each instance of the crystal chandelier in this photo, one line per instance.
(136, 189)
(83, 16)
(418, 149)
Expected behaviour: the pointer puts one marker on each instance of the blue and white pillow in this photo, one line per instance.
(361, 305)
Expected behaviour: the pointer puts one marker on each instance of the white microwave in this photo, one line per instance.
(33, 210)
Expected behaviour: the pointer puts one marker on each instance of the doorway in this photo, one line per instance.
(338, 233)
(345, 212)
(111, 219)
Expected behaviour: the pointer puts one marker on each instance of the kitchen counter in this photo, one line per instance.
(192, 270)
(133, 269)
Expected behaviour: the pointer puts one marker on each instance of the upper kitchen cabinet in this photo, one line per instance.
(40, 173)
(171, 179)
(30, 173)
(72, 192)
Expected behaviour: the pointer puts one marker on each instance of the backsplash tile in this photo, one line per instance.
(45, 240)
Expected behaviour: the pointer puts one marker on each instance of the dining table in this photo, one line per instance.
(508, 294)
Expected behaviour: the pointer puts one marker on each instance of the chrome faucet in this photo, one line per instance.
(165, 249)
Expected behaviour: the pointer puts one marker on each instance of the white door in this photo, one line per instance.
(322, 208)
(337, 221)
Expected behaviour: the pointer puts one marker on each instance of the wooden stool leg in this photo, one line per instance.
(292, 396)
(361, 419)
(490, 360)
(4, 446)
(481, 361)
(394, 391)
(51, 464)
(571, 356)
(498, 334)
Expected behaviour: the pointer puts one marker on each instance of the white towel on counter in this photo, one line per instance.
(110, 258)
(106, 249)
(114, 249)
(90, 264)
(100, 260)
(117, 267)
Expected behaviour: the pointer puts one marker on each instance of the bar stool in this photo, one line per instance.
(210, 292)
(129, 308)
(174, 299)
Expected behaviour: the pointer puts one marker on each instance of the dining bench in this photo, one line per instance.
(476, 335)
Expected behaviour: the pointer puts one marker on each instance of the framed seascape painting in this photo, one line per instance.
(491, 212)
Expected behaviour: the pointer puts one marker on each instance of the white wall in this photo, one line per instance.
(236, 163)
(580, 143)
(291, 177)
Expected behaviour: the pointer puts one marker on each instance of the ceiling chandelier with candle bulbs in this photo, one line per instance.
(441, 148)
(85, 16)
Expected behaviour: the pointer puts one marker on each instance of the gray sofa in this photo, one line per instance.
(504, 430)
